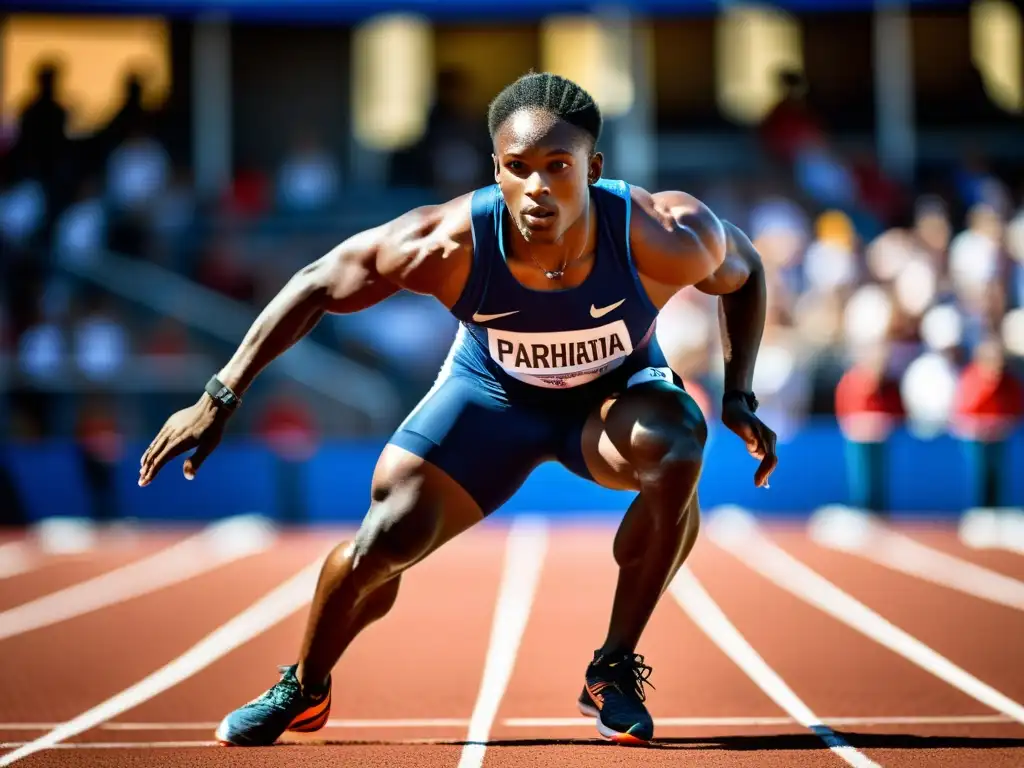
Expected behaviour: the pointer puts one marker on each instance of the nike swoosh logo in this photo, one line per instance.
(478, 318)
(595, 312)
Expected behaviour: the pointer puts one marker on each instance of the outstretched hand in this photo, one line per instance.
(199, 426)
(759, 439)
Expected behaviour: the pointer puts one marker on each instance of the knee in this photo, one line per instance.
(399, 530)
(663, 453)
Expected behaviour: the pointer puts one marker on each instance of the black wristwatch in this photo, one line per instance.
(739, 394)
(222, 394)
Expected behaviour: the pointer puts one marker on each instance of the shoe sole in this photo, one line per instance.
(609, 734)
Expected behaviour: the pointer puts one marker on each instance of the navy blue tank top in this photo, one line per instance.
(551, 339)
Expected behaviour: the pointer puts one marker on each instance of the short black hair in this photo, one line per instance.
(544, 91)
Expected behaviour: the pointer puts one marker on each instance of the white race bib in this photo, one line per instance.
(563, 359)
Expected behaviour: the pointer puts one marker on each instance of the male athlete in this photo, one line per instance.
(557, 277)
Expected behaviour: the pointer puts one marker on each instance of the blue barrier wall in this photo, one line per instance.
(356, 10)
(925, 476)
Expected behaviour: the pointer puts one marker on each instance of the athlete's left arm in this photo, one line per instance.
(740, 285)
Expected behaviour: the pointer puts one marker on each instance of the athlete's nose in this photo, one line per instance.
(536, 187)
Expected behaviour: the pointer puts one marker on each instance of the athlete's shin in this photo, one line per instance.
(359, 580)
(654, 539)
(334, 622)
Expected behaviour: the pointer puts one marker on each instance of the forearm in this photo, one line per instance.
(289, 316)
(741, 319)
(343, 281)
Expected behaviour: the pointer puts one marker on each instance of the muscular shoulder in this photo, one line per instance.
(429, 250)
(674, 237)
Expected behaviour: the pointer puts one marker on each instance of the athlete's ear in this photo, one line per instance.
(497, 168)
(596, 167)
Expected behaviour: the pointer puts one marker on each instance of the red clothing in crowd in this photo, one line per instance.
(868, 406)
(289, 429)
(988, 403)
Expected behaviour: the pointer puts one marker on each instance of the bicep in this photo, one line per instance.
(741, 261)
(423, 251)
(349, 277)
(675, 238)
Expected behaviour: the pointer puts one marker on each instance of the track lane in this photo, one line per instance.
(423, 661)
(89, 658)
(575, 592)
(692, 678)
(946, 539)
(934, 614)
(307, 756)
(839, 671)
(54, 572)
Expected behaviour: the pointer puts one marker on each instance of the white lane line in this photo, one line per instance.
(740, 536)
(705, 613)
(749, 722)
(16, 557)
(856, 533)
(118, 744)
(560, 722)
(514, 722)
(214, 546)
(422, 722)
(524, 559)
(272, 608)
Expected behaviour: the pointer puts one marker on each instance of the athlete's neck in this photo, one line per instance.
(575, 243)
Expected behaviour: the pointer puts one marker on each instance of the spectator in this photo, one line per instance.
(791, 124)
(1015, 249)
(868, 408)
(101, 345)
(41, 149)
(928, 387)
(223, 271)
(309, 180)
(81, 231)
(138, 172)
(989, 405)
(23, 212)
(975, 255)
(288, 429)
(830, 263)
(100, 446)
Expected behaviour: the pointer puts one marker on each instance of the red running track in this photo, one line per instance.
(409, 687)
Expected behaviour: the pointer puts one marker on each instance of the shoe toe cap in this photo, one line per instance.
(245, 728)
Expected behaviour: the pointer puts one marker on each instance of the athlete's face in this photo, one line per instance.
(544, 167)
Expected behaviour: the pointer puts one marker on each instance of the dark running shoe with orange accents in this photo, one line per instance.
(614, 694)
(284, 707)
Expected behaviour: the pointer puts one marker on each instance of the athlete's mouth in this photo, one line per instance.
(537, 212)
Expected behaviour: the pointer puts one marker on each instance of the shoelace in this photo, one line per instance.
(282, 691)
(633, 673)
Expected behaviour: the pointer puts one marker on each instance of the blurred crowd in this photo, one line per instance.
(888, 301)
(888, 306)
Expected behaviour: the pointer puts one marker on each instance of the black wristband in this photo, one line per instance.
(739, 394)
(222, 394)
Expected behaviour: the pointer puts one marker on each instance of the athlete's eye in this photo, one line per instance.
(515, 165)
(558, 165)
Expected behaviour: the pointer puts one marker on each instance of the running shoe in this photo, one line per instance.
(283, 707)
(614, 694)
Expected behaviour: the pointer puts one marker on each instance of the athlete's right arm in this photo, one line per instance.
(428, 251)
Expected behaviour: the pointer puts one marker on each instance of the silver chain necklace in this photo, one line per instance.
(557, 274)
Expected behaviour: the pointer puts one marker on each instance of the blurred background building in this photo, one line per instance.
(165, 166)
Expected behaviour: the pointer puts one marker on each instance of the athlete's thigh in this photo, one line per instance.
(466, 446)
(418, 488)
(660, 404)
